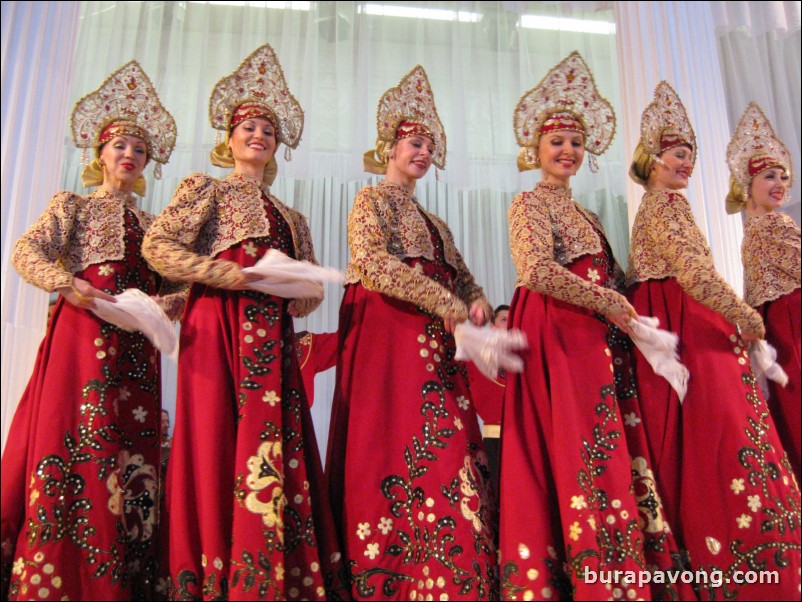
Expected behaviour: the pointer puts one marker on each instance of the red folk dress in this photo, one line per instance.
(317, 352)
(488, 397)
(771, 258)
(727, 486)
(405, 463)
(246, 505)
(80, 470)
(584, 501)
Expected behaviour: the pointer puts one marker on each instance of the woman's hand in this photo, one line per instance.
(478, 314)
(622, 319)
(244, 280)
(750, 337)
(82, 294)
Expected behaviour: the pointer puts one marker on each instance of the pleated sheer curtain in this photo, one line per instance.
(338, 58)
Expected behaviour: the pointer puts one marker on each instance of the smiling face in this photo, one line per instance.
(253, 142)
(123, 158)
(560, 154)
(411, 157)
(767, 190)
(672, 169)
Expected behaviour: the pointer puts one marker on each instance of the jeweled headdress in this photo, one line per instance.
(753, 148)
(664, 124)
(126, 103)
(258, 82)
(565, 99)
(404, 110)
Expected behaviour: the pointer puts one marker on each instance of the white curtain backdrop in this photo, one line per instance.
(338, 57)
(764, 67)
(35, 109)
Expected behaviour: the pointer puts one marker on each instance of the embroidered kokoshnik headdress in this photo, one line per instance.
(256, 88)
(406, 110)
(664, 125)
(125, 104)
(753, 148)
(566, 99)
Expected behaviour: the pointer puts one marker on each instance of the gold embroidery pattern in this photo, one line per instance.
(426, 533)
(548, 230)
(32, 577)
(174, 303)
(65, 510)
(612, 534)
(387, 225)
(765, 509)
(666, 243)
(208, 216)
(771, 258)
(73, 233)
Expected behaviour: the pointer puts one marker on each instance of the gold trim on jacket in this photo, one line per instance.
(73, 233)
(771, 256)
(549, 230)
(387, 225)
(666, 243)
(207, 216)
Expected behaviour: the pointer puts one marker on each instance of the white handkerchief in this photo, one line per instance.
(490, 348)
(659, 347)
(135, 310)
(290, 278)
(763, 358)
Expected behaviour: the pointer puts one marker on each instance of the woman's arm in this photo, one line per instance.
(170, 241)
(300, 308)
(382, 272)
(532, 245)
(678, 239)
(38, 251)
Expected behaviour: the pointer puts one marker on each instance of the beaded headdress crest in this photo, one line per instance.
(754, 147)
(412, 101)
(260, 81)
(664, 123)
(127, 97)
(567, 95)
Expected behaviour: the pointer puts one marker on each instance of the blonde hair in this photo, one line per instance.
(736, 197)
(641, 166)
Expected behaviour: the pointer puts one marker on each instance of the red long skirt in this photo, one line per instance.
(246, 503)
(782, 318)
(81, 466)
(727, 485)
(406, 466)
(578, 495)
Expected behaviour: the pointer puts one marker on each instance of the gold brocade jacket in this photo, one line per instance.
(207, 216)
(666, 243)
(549, 230)
(77, 231)
(387, 225)
(771, 257)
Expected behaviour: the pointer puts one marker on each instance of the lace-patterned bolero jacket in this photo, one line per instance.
(77, 231)
(771, 257)
(207, 216)
(548, 230)
(387, 225)
(667, 243)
